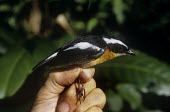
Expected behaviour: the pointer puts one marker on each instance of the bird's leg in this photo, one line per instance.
(80, 91)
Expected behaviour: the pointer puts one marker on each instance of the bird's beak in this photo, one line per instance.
(131, 53)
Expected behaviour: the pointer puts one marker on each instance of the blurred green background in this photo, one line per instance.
(32, 29)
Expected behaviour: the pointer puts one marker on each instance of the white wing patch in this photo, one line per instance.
(113, 41)
(83, 45)
(53, 55)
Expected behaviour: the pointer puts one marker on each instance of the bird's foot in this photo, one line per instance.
(80, 91)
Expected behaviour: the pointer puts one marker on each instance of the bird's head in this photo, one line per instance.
(117, 46)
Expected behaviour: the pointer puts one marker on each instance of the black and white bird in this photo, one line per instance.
(85, 52)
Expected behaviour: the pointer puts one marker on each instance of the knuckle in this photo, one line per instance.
(87, 74)
(101, 97)
(55, 75)
(79, 109)
(71, 91)
(93, 70)
(65, 77)
(93, 82)
(96, 109)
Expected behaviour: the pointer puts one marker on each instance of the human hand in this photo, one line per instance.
(55, 96)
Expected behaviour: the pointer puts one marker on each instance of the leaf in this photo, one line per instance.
(78, 25)
(143, 71)
(130, 94)
(114, 101)
(118, 9)
(4, 8)
(161, 89)
(14, 67)
(91, 24)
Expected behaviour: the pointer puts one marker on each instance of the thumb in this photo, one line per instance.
(64, 78)
(48, 95)
(57, 81)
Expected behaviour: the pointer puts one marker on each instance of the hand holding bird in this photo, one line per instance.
(53, 96)
(83, 52)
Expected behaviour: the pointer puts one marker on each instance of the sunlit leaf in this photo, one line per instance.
(12, 22)
(79, 25)
(14, 67)
(161, 89)
(91, 24)
(4, 8)
(118, 9)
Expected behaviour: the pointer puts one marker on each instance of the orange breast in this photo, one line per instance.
(108, 55)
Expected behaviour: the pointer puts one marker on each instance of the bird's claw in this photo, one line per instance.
(80, 91)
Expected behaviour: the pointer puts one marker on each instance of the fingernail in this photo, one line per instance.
(63, 107)
(88, 71)
(86, 74)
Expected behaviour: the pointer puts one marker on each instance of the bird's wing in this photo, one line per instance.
(70, 56)
(77, 52)
(77, 56)
(46, 60)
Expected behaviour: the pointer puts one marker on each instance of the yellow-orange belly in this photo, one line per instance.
(108, 55)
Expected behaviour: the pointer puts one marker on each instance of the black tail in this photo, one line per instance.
(44, 63)
(40, 65)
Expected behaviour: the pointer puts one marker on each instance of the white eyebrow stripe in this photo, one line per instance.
(83, 45)
(113, 41)
(53, 55)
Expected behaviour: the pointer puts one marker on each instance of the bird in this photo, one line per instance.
(85, 52)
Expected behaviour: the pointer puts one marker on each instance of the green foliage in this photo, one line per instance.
(118, 9)
(127, 78)
(130, 94)
(17, 64)
(138, 74)
(144, 69)
(115, 102)
(91, 24)
(14, 67)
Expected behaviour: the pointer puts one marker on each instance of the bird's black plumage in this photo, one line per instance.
(74, 56)
(85, 52)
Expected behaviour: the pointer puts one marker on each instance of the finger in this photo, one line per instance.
(87, 74)
(58, 80)
(94, 109)
(63, 107)
(69, 96)
(56, 83)
(49, 93)
(64, 78)
(94, 98)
